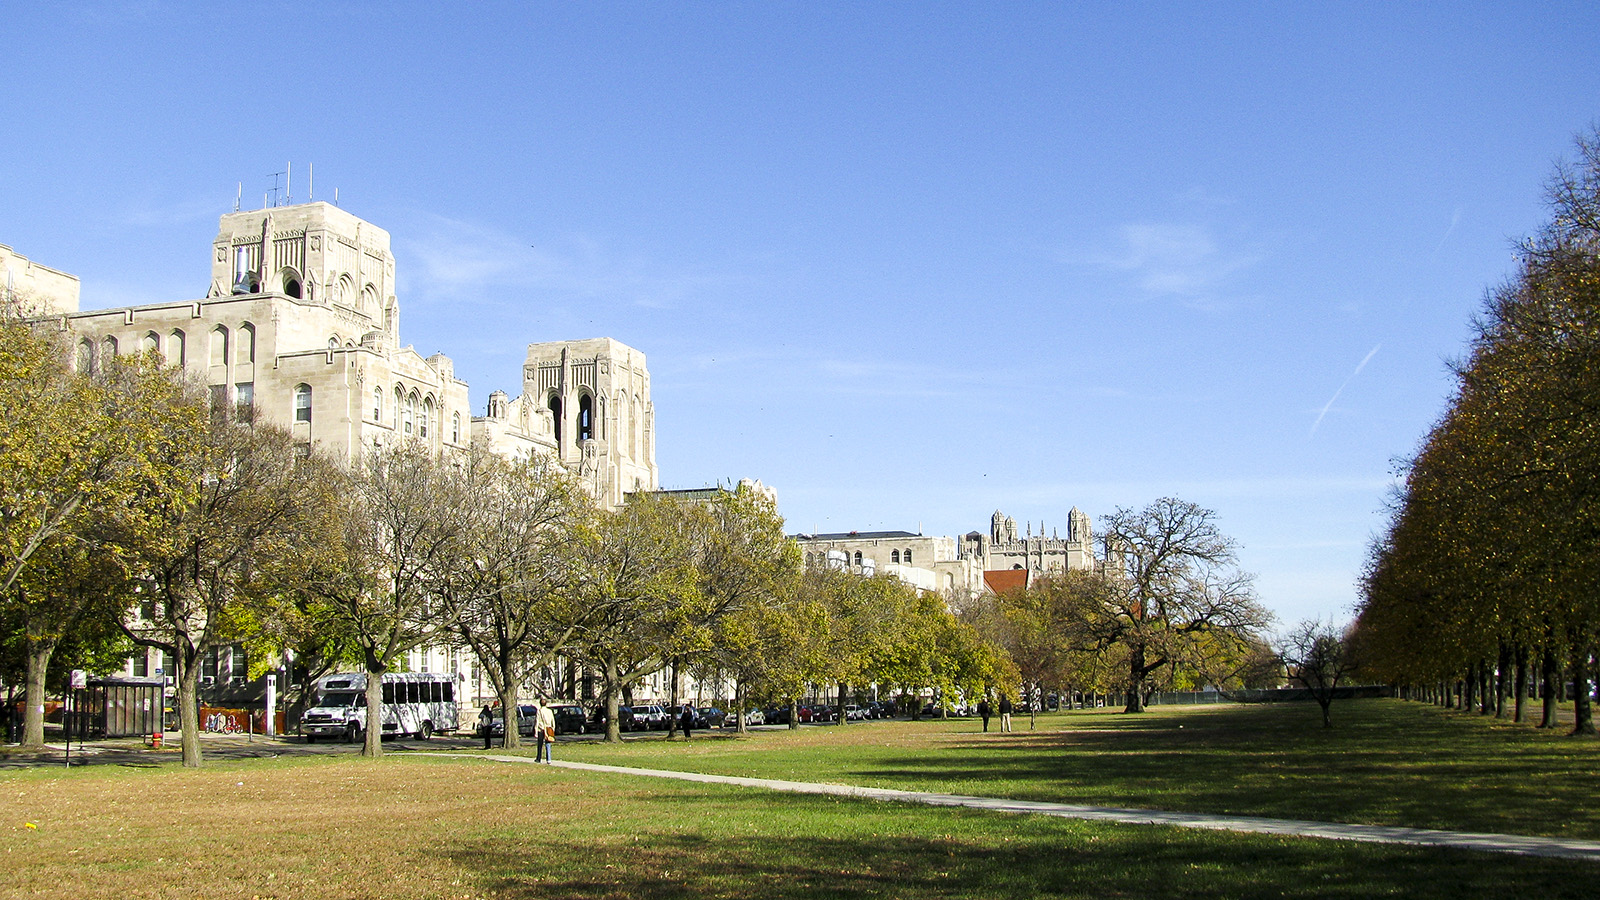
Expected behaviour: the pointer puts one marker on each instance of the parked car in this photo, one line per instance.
(597, 720)
(755, 717)
(854, 713)
(776, 715)
(651, 717)
(711, 717)
(527, 720)
(569, 718)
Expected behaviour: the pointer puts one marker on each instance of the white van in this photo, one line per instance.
(414, 703)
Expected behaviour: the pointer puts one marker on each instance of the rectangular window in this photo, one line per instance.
(166, 665)
(449, 692)
(208, 665)
(141, 663)
(244, 399)
(239, 667)
(388, 692)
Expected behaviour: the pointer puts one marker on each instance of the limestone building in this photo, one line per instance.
(301, 324)
(38, 290)
(970, 565)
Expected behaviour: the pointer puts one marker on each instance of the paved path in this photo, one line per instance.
(1382, 834)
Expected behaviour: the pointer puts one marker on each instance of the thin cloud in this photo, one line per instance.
(454, 259)
(1455, 219)
(1189, 262)
(1329, 405)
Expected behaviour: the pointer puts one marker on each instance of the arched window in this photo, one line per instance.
(85, 356)
(585, 417)
(291, 283)
(302, 403)
(152, 343)
(219, 346)
(377, 404)
(894, 556)
(333, 342)
(555, 416)
(908, 556)
(108, 348)
(176, 348)
(455, 428)
(858, 557)
(245, 345)
(410, 414)
(427, 416)
(399, 405)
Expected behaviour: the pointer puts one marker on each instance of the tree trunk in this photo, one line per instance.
(613, 704)
(185, 660)
(738, 706)
(1582, 719)
(794, 714)
(39, 651)
(842, 688)
(1521, 687)
(675, 691)
(1327, 716)
(1551, 673)
(372, 739)
(1502, 683)
(1135, 677)
(511, 734)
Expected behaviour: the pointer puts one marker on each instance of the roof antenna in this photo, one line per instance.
(288, 184)
(335, 196)
(311, 181)
(239, 197)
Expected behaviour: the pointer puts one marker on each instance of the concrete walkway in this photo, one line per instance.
(1382, 834)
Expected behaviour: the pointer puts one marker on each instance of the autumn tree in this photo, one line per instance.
(639, 591)
(389, 534)
(236, 499)
(1172, 581)
(509, 593)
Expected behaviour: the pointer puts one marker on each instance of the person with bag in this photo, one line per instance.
(547, 733)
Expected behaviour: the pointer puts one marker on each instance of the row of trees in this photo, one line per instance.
(135, 515)
(1486, 577)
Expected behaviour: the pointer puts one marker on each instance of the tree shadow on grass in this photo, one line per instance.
(846, 849)
(1386, 764)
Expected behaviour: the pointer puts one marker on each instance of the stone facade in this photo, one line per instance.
(588, 402)
(300, 322)
(37, 290)
(945, 564)
(1003, 548)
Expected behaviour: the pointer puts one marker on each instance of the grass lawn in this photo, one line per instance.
(417, 827)
(1386, 762)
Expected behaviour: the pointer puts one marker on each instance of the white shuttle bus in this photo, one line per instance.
(414, 703)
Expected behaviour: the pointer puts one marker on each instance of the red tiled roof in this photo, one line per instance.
(1002, 580)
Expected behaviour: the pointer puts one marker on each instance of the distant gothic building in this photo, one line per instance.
(996, 561)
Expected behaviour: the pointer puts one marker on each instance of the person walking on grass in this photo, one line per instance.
(687, 721)
(1005, 713)
(983, 712)
(547, 733)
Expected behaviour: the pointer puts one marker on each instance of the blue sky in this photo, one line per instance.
(907, 263)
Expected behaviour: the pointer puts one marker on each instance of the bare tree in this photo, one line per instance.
(1318, 656)
(1173, 587)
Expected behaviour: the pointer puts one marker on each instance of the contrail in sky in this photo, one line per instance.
(1329, 405)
